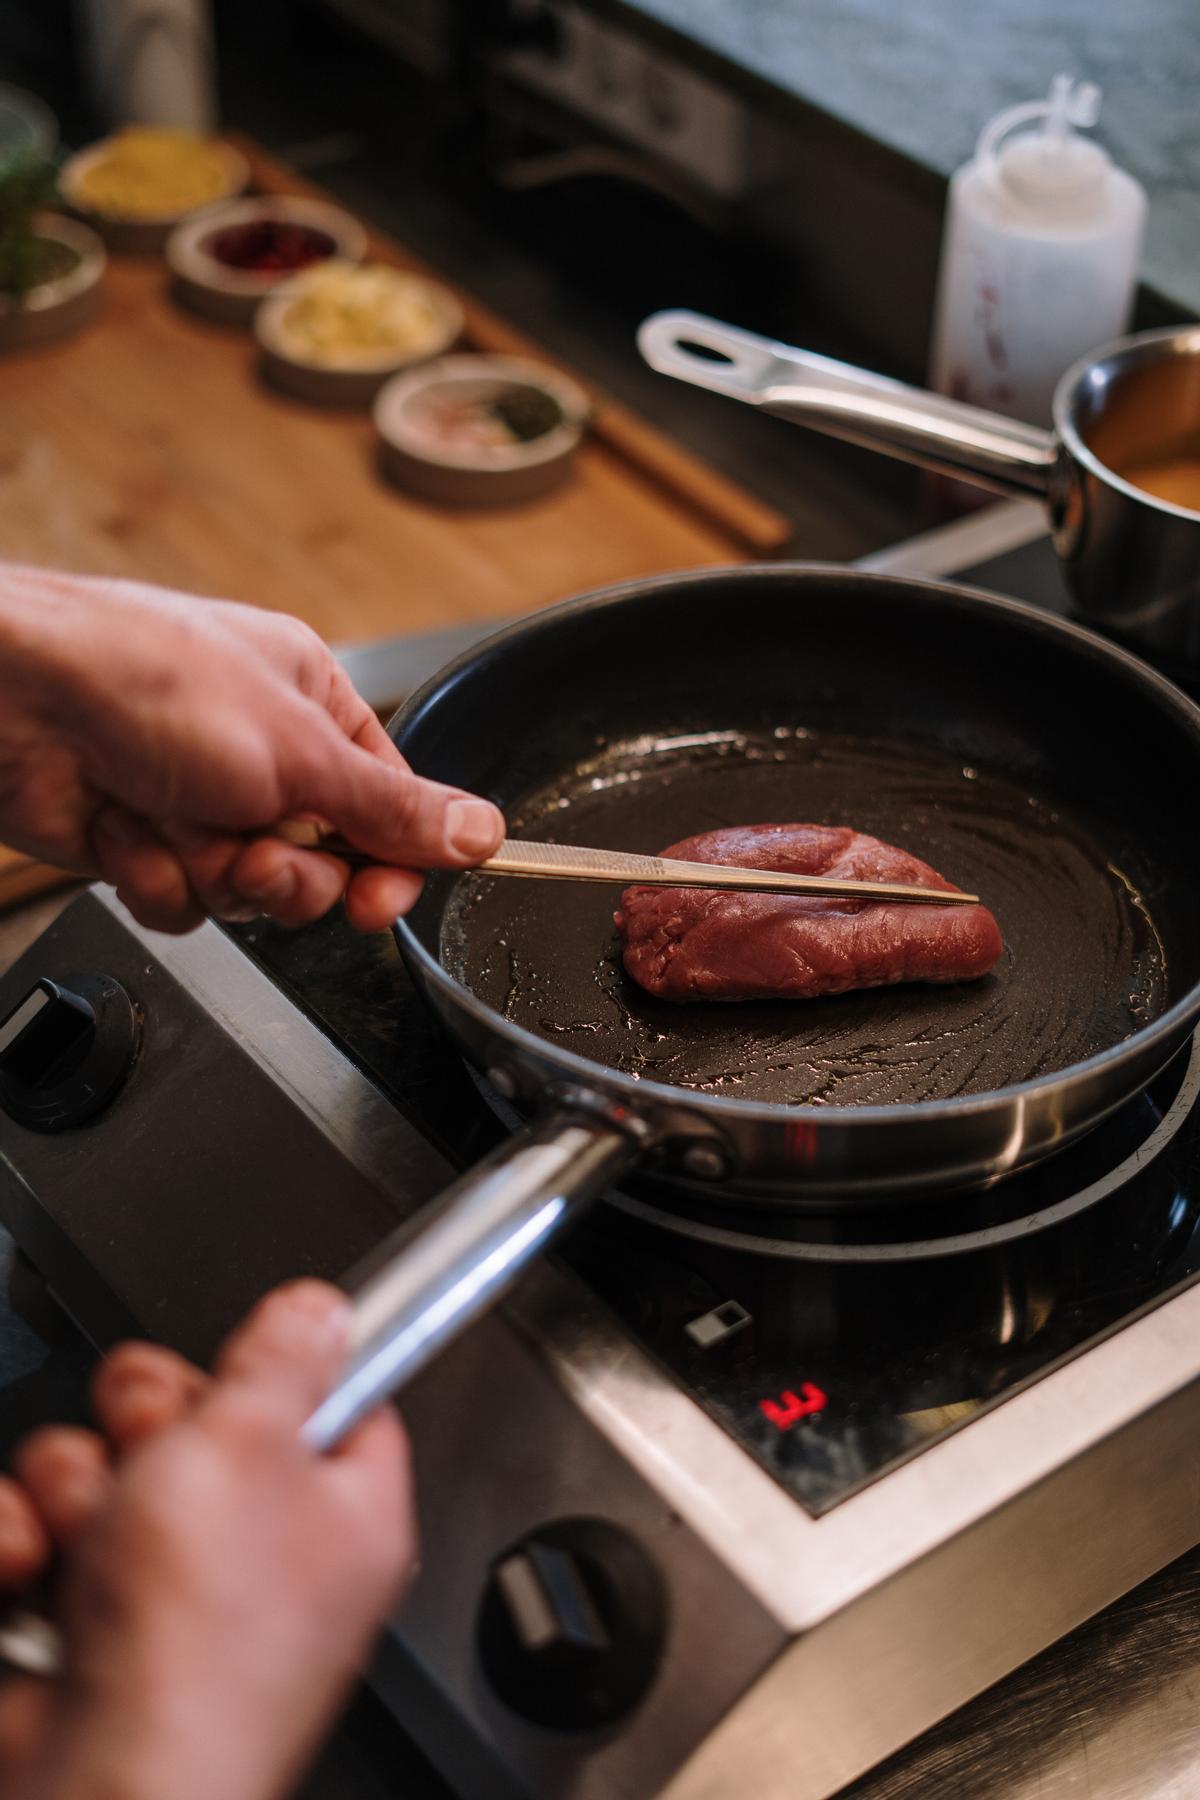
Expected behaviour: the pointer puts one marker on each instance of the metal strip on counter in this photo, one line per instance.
(964, 543)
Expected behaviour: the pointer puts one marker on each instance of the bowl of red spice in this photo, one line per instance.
(225, 263)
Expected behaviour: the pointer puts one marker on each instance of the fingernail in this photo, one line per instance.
(313, 1301)
(138, 1392)
(277, 891)
(121, 1373)
(471, 826)
(118, 827)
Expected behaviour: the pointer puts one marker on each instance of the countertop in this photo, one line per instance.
(922, 80)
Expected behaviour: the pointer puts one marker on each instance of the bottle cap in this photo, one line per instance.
(1050, 169)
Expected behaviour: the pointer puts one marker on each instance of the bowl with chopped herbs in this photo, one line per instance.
(480, 430)
(136, 186)
(50, 266)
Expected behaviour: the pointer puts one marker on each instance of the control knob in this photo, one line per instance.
(65, 1049)
(572, 1625)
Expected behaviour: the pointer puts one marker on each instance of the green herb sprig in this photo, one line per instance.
(27, 185)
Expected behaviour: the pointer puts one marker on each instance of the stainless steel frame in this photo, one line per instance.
(919, 1591)
(938, 1578)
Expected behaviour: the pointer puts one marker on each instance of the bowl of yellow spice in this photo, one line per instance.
(341, 329)
(136, 186)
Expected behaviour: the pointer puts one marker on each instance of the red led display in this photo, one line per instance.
(790, 1408)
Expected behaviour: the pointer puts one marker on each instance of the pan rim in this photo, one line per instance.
(646, 1095)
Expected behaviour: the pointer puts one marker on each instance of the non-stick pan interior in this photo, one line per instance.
(960, 733)
(1082, 965)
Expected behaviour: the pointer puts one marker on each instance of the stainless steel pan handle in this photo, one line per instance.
(847, 402)
(428, 1282)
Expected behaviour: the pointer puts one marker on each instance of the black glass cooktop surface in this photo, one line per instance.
(850, 1340)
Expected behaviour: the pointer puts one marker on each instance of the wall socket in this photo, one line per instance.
(638, 93)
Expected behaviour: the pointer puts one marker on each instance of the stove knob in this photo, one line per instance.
(65, 1049)
(572, 1624)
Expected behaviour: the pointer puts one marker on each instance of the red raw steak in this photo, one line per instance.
(703, 944)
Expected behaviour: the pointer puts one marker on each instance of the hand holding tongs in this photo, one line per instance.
(573, 862)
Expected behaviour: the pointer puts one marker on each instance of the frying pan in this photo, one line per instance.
(1024, 757)
(1131, 558)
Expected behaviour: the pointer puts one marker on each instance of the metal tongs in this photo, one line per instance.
(572, 862)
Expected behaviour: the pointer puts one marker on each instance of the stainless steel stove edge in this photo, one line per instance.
(805, 1569)
(936, 1580)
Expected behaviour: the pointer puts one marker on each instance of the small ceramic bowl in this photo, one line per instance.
(138, 234)
(27, 126)
(349, 378)
(232, 295)
(59, 306)
(427, 419)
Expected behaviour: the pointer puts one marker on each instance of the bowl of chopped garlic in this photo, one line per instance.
(341, 329)
(136, 186)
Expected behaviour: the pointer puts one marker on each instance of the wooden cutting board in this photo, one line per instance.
(148, 447)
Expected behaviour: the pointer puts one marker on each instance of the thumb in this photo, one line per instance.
(395, 815)
(288, 1352)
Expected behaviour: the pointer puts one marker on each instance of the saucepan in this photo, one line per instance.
(1025, 758)
(1120, 471)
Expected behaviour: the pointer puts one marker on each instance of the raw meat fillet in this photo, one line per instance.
(703, 944)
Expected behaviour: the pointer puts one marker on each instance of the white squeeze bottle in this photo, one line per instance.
(1040, 255)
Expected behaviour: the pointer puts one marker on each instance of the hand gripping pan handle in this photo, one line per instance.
(427, 1283)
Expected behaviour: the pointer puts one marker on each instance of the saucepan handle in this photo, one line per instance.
(929, 429)
(428, 1282)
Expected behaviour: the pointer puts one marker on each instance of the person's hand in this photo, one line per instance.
(221, 1584)
(150, 739)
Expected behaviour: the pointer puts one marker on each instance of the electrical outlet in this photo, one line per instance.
(613, 78)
